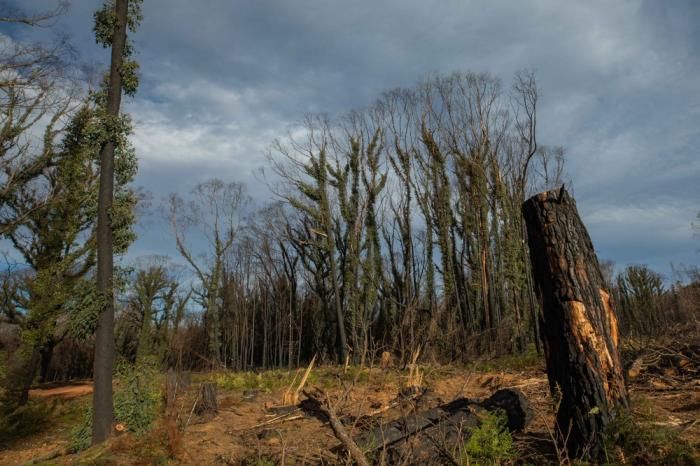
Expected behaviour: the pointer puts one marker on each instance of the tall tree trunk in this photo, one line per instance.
(102, 406)
(46, 353)
(579, 325)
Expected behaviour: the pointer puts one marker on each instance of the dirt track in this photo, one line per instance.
(65, 392)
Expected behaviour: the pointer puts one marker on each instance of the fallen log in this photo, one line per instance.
(413, 438)
(459, 412)
(579, 325)
(677, 359)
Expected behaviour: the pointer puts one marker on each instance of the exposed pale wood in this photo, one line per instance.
(291, 397)
(579, 325)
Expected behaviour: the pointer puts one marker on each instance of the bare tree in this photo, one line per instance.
(42, 19)
(37, 97)
(155, 305)
(213, 214)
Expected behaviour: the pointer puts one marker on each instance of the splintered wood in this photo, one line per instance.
(386, 361)
(415, 375)
(291, 395)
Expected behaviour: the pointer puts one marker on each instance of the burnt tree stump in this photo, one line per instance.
(579, 325)
(206, 403)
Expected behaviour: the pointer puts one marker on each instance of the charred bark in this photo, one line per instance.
(207, 404)
(422, 437)
(579, 325)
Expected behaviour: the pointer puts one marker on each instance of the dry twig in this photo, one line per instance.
(320, 399)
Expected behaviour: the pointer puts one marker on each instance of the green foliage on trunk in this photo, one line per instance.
(57, 236)
(136, 403)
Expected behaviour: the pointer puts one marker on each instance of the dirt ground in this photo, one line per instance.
(248, 430)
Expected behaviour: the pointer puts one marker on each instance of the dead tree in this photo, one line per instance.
(579, 325)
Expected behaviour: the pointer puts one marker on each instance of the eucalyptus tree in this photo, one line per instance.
(155, 307)
(344, 181)
(277, 269)
(37, 95)
(111, 24)
(374, 179)
(305, 170)
(356, 181)
(639, 292)
(56, 238)
(212, 216)
(411, 208)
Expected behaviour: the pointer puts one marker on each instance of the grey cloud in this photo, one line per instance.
(619, 89)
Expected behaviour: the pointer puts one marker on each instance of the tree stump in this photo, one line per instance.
(579, 325)
(207, 405)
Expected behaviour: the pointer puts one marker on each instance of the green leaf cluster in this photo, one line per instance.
(105, 22)
(490, 443)
(136, 403)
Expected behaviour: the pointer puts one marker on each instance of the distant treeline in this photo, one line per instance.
(395, 227)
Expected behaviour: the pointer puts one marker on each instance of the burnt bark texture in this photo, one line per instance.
(102, 403)
(579, 325)
(427, 437)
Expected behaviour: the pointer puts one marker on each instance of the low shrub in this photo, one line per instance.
(490, 443)
(20, 421)
(136, 401)
(636, 440)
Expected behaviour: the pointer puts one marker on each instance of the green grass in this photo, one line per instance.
(510, 362)
(634, 438)
(41, 415)
(278, 379)
(266, 381)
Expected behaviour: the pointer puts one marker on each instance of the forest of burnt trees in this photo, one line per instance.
(393, 229)
(397, 227)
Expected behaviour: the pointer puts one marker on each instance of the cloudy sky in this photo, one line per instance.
(619, 83)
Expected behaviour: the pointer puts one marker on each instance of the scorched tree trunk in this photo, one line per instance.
(579, 325)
